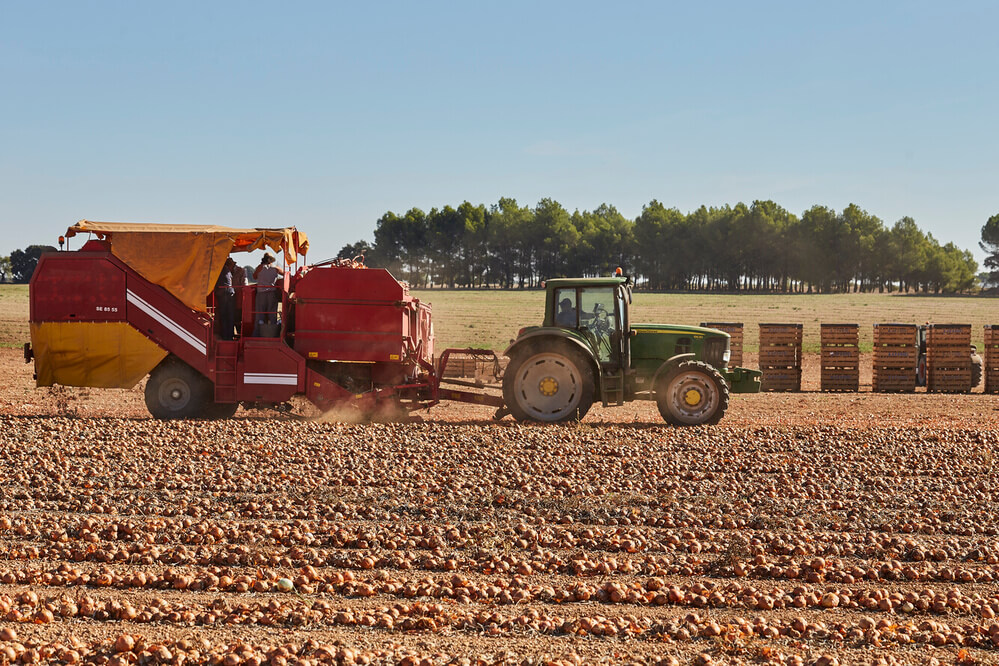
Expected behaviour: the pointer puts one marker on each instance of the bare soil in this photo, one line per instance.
(808, 528)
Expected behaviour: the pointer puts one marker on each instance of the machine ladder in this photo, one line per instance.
(225, 370)
(612, 387)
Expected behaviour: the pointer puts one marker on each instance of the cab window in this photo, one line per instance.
(599, 316)
(565, 308)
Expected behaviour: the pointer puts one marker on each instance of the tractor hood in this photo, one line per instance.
(673, 329)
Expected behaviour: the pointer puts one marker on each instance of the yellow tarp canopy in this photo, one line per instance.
(86, 353)
(186, 259)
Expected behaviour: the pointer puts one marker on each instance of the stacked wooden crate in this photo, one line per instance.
(780, 356)
(991, 359)
(735, 344)
(948, 358)
(896, 355)
(840, 357)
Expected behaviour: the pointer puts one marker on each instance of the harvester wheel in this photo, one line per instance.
(552, 385)
(692, 393)
(976, 370)
(176, 391)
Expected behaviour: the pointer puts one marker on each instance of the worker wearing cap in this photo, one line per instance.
(266, 275)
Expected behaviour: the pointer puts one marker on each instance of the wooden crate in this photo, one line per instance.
(992, 381)
(896, 356)
(840, 380)
(782, 356)
(839, 334)
(735, 343)
(948, 358)
(840, 357)
(895, 334)
(780, 334)
(948, 380)
(894, 380)
(948, 335)
(992, 336)
(781, 379)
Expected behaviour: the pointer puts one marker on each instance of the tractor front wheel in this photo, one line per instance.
(553, 385)
(692, 393)
(176, 391)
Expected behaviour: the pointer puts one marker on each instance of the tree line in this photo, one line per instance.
(756, 247)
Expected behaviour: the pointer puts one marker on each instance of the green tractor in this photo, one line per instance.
(587, 349)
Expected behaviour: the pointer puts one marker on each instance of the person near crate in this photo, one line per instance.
(225, 301)
(266, 275)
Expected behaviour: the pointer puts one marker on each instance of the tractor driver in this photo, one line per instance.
(566, 317)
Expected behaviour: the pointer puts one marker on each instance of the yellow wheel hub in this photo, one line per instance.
(692, 397)
(548, 386)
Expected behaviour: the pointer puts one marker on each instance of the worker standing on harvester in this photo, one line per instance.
(266, 275)
(225, 301)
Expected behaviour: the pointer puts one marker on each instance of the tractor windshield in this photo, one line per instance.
(598, 316)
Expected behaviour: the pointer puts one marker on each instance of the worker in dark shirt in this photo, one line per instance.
(566, 316)
(225, 302)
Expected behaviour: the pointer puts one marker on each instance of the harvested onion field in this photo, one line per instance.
(807, 528)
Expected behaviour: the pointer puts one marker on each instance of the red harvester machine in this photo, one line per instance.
(137, 300)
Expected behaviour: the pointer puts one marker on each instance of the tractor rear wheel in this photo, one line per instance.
(692, 393)
(551, 385)
(175, 390)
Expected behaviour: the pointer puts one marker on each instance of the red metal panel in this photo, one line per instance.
(347, 314)
(269, 371)
(168, 322)
(72, 286)
(331, 282)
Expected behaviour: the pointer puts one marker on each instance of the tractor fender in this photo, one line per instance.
(553, 334)
(669, 364)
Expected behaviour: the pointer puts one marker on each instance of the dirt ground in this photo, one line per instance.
(807, 528)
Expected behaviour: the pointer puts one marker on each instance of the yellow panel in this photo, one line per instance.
(99, 354)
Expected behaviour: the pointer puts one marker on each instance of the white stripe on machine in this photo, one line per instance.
(173, 326)
(269, 378)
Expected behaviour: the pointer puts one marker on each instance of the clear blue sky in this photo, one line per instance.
(325, 115)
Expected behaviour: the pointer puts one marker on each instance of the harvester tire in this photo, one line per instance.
(553, 384)
(976, 370)
(175, 390)
(692, 393)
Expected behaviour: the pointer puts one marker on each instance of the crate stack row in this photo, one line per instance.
(948, 358)
(780, 356)
(840, 357)
(896, 354)
(735, 344)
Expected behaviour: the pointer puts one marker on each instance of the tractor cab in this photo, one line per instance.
(597, 308)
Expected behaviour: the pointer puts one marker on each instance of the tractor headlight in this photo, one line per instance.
(727, 356)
